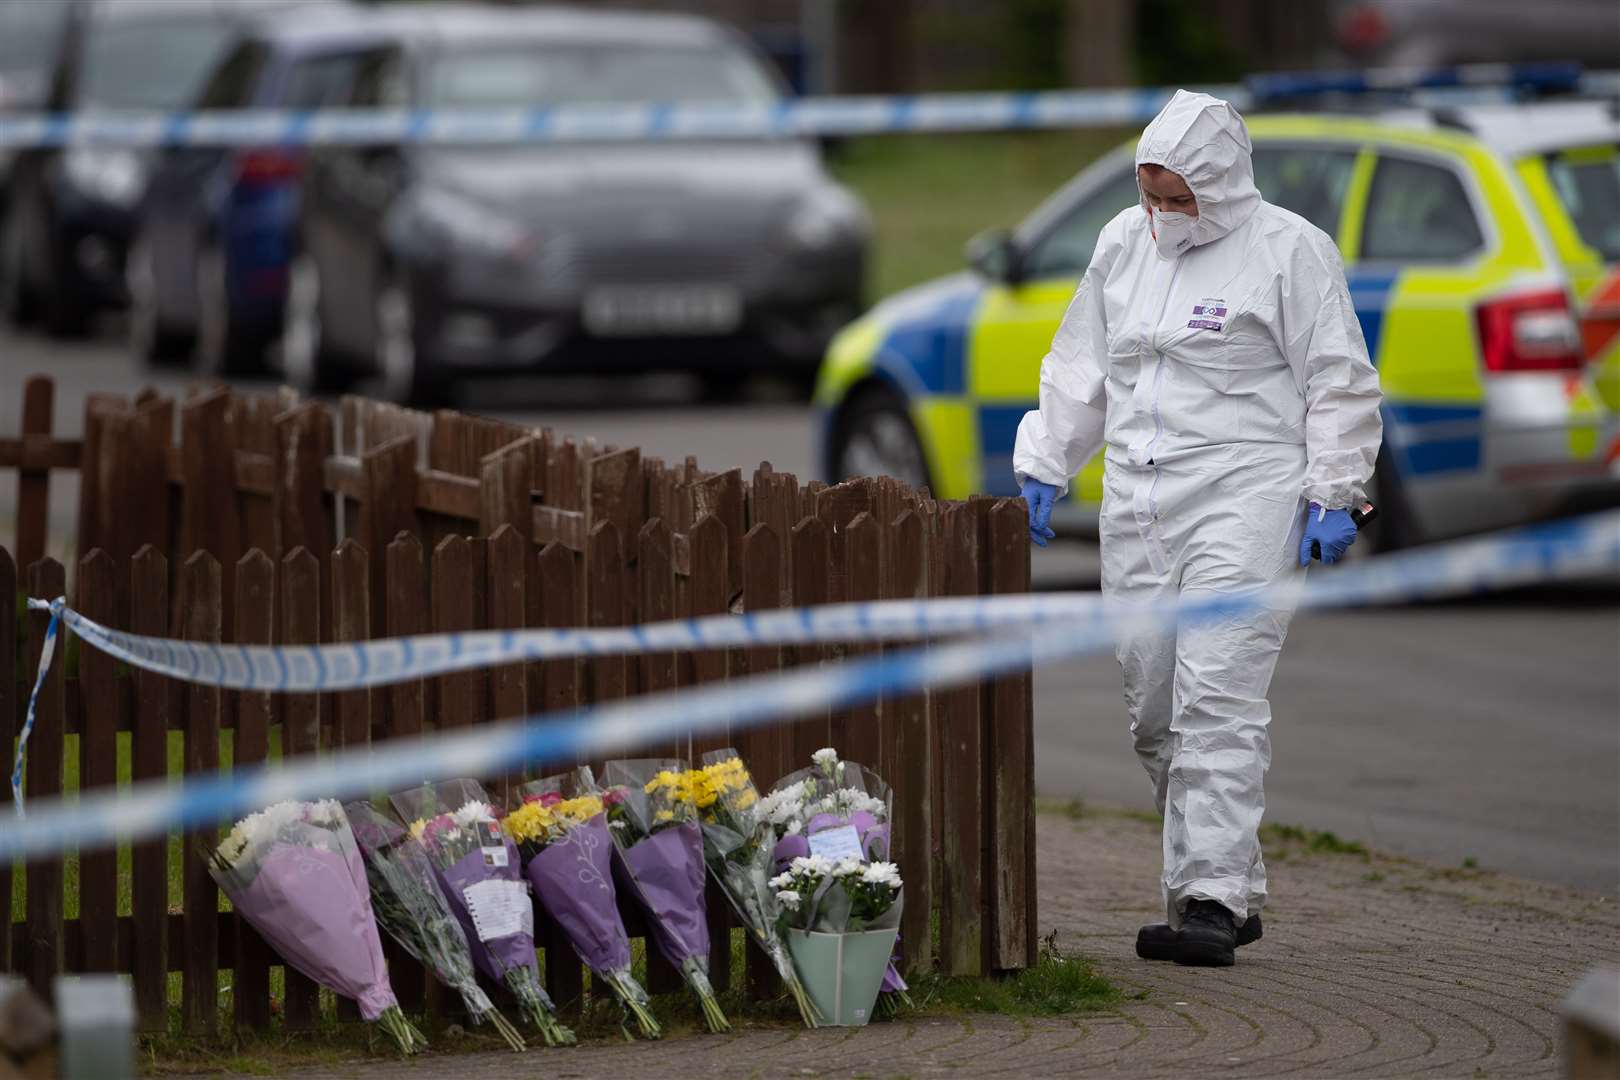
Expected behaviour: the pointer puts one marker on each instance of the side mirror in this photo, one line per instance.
(996, 255)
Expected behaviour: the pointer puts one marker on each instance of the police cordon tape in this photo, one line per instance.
(790, 118)
(1572, 549)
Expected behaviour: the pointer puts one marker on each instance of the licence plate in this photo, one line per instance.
(632, 312)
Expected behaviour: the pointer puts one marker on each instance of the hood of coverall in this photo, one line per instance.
(1203, 140)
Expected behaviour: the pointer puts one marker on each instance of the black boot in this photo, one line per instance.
(1156, 941)
(1207, 936)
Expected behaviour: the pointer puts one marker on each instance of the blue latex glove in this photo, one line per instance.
(1335, 530)
(1041, 497)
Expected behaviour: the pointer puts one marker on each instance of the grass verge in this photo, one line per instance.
(1060, 983)
(929, 194)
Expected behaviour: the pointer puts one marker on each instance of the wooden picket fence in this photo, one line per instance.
(278, 520)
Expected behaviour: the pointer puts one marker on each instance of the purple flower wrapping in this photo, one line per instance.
(495, 957)
(313, 907)
(666, 870)
(574, 879)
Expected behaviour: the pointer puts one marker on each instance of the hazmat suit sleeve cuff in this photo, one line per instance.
(1336, 493)
(1037, 455)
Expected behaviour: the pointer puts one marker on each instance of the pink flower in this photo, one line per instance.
(551, 798)
(613, 796)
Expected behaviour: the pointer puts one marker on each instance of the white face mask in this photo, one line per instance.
(1172, 233)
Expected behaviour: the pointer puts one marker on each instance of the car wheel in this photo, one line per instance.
(15, 298)
(306, 361)
(151, 339)
(222, 348)
(66, 311)
(876, 437)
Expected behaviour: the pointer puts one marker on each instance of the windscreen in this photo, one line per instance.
(149, 63)
(595, 75)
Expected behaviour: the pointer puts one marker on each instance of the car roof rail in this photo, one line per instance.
(1374, 88)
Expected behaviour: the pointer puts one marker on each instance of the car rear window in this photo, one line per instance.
(591, 74)
(149, 63)
(1588, 184)
(1418, 212)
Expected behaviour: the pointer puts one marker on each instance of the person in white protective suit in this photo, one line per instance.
(1212, 347)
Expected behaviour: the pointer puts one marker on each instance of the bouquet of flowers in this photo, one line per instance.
(847, 896)
(478, 872)
(840, 918)
(840, 809)
(409, 905)
(653, 821)
(737, 844)
(292, 870)
(560, 827)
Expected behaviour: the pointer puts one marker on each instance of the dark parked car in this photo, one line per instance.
(208, 265)
(71, 211)
(424, 264)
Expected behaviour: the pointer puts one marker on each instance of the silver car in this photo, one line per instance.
(426, 265)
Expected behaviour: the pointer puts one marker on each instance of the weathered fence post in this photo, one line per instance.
(508, 685)
(762, 747)
(199, 583)
(97, 597)
(808, 541)
(961, 864)
(863, 724)
(209, 518)
(909, 750)
(43, 780)
(351, 621)
(555, 576)
(149, 760)
(407, 615)
(706, 594)
(255, 625)
(301, 597)
(1010, 797)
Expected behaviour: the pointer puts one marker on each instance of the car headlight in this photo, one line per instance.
(111, 174)
(826, 216)
(470, 224)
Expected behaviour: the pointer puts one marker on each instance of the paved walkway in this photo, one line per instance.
(1369, 968)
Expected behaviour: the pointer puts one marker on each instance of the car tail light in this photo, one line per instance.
(1363, 28)
(1530, 332)
(268, 166)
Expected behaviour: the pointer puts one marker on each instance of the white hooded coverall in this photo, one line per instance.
(1231, 385)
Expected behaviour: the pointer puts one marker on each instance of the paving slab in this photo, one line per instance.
(1371, 967)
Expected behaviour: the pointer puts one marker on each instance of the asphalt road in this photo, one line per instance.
(1485, 730)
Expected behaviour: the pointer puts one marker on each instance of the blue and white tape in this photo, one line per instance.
(46, 651)
(793, 118)
(360, 664)
(1577, 548)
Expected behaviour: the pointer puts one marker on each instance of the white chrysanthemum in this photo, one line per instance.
(788, 899)
(793, 828)
(847, 867)
(825, 758)
(811, 866)
(781, 881)
(472, 814)
(882, 873)
(782, 806)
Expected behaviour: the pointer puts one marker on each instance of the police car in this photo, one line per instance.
(1482, 248)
